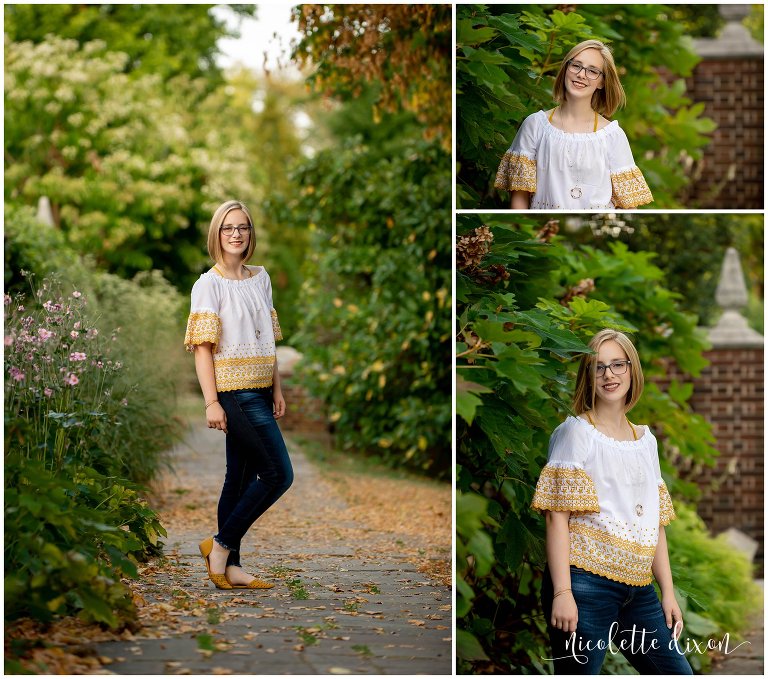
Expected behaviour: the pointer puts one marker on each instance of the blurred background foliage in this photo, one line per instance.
(525, 311)
(120, 115)
(506, 60)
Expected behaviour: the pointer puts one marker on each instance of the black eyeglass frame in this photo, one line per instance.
(242, 228)
(625, 362)
(575, 64)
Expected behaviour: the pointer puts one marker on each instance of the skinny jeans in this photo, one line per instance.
(629, 617)
(258, 471)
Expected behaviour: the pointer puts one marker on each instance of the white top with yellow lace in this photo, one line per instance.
(572, 171)
(239, 320)
(616, 497)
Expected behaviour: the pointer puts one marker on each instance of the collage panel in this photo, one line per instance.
(227, 326)
(609, 326)
(597, 107)
(609, 444)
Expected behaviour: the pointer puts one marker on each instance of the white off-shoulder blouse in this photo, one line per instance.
(563, 170)
(616, 497)
(239, 320)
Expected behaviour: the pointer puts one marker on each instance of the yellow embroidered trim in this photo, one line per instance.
(565, 490)
(202, 327)
(516, 173)
(612, 557)
(666, 510)
(630, 189)
(251, 372)
(276, 326)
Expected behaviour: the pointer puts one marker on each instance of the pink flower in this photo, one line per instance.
(74, 334)
(20, 307)
(100, 364)
(50, 306)
(77, 325)
(92, 332)
(124, 402)
(8, 341)
(44, 334)
(16, 374)
(77, 356)
(77, 294)
(71, 379)
(48, 392)
(7, 300)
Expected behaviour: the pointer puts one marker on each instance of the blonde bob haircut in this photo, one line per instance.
(214, 240)
(610, 96)
(584, 395)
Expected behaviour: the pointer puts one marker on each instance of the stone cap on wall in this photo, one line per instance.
(734, 41)
(732, 330)
(287, 358)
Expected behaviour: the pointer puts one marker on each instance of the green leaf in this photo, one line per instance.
(468, 647)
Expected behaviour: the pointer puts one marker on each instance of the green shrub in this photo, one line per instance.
(376, 328)
(74, 527)
(69, 541)
(527, 303)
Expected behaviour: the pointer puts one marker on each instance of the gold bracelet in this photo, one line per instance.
(562, 591)
(211, 403)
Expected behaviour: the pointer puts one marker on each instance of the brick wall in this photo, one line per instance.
(729, 394)
(730, 174)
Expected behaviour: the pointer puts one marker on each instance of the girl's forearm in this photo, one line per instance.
(521, 200)
(276, 383)
(661, 568)
(205, 371)
(558, 549)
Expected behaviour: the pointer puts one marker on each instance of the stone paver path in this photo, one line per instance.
(347, 598)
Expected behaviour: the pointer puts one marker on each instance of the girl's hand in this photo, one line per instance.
(217, 418)
(279, 404)
(565, 614)
(673, 615)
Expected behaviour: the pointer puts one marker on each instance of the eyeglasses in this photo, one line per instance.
(575, 67)
(617, 368)
(229, 230)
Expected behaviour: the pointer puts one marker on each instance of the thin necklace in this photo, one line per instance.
(574, 163)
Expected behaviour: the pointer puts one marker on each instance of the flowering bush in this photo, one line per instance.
(73, 526)
(58, 393)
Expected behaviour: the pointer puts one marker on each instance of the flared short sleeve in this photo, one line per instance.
(629, 188)
(204, 322)
(564, 485)
(517, 170)
(666, 509)
(272, 311)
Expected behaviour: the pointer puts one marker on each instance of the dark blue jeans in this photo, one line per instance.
(259, 470)
(628, 616)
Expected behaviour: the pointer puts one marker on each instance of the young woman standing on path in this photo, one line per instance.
(572, 156)
(606, 506)
(232, 329)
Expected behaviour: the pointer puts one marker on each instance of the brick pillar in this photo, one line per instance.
(730, 82)
(305, 413)
(729, 394)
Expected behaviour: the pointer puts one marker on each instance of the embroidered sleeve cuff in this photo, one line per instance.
(666, 510)
(630, 189)
(202, 327)
(563, 489)
(276, 326)
(516, 173)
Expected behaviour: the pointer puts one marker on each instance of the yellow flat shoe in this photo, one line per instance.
(254, 584)
(218, 579)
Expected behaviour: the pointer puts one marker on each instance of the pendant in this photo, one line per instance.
(639, 510)
(576, 192)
